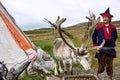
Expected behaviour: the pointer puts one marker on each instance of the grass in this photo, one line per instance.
(31, 77)
(46, 45)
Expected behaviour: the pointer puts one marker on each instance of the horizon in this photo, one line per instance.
(30, 16)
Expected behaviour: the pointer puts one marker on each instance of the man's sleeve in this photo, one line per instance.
(94, 38)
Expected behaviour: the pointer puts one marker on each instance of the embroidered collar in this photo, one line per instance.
(107, 25)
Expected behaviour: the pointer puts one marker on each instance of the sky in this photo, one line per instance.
(29, 14)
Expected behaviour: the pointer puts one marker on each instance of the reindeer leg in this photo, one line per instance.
(65, 69)
(71, 66)
(60, 68)
(56, 71)
(45, 70)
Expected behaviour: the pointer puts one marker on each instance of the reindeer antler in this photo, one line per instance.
(97, 47)
(92, 19)
(58, 23)
(52, 24)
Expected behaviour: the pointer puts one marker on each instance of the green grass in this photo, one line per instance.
(31, 77)
(46, 45)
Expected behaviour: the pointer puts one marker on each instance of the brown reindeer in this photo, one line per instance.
(65, 51)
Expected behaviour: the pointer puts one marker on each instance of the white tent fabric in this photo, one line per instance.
(15, 48)
(10, 53)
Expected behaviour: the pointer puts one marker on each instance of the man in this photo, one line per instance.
(105, 55)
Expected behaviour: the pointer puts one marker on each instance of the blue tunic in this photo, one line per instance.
(109, 35)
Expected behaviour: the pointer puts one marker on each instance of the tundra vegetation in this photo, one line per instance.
(44, 38)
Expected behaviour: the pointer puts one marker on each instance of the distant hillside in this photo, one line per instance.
(75, 26)
(49, 33)
(85, 24)
(117, 23)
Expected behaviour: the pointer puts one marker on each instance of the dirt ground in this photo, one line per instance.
(116, 74)
(79, 71)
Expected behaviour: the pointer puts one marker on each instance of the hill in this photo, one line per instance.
(49, 33)
(85, 24)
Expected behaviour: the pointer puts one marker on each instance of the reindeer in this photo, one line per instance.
(65, 51)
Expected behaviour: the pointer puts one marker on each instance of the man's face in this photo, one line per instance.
(106, 20)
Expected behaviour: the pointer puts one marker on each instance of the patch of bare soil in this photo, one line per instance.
(93, 71)
(116, 74)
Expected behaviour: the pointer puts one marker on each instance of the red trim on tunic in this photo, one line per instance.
(95, 45)
(112, 26)
(106, 34)
(99, 26)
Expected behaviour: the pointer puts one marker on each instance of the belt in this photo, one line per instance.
(106, 48)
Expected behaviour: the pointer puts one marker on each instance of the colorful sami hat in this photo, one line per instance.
(106, 14)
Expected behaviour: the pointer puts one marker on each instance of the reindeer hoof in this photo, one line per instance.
(65, 72)
(71, 72)
(48, 74)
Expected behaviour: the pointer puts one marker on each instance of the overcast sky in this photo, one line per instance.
(29, 14)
